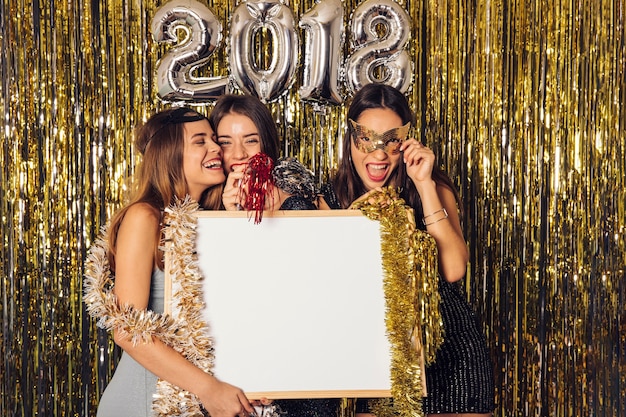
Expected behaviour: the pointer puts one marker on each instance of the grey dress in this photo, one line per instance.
(130, 391)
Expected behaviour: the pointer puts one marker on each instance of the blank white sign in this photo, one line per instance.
(295, 304)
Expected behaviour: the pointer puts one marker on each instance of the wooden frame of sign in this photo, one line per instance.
(295, 304)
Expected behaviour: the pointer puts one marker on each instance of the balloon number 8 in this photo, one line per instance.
(380, 32)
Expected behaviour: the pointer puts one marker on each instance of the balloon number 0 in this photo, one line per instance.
(379, 29)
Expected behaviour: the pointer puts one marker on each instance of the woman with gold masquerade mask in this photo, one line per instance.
(378, 152)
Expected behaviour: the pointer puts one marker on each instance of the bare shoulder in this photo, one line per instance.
(141, 216)
(143, 209)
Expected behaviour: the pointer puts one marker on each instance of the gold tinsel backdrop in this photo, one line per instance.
(523, 102)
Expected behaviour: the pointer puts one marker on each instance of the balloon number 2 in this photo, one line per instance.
(175, 70)
(379, 32)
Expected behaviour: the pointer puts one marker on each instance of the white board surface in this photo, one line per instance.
(295, 304)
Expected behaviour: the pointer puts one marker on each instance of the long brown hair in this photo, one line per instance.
(347, 184)
(160, 176)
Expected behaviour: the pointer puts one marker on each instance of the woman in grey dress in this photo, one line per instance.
(132, 385)
(180, 158)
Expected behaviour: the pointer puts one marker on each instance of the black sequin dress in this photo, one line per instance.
(461, 379)
(297, 203)
(318, 407)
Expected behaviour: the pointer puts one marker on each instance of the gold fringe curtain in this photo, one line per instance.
(523, 102)
(527, 99)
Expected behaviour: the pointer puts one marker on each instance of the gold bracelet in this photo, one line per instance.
(445, 216)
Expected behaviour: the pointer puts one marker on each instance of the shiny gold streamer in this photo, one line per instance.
(192, 338)
(531, 94)
(410, 283)
(522, 102)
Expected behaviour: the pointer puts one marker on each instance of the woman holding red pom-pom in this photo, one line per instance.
(257, 179)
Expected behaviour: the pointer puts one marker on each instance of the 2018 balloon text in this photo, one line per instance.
(379, 34)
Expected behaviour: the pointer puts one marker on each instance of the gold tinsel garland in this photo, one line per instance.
(413, 321)
(195, 342)
(101, 303)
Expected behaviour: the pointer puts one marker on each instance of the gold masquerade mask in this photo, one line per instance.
(366, 140)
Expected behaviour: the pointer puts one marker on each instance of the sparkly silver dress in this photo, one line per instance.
(130, 391)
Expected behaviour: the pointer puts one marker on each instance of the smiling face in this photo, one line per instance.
(375, 168)
(239, 139)
(202, 158)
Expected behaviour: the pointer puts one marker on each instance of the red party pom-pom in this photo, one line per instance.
(259, 182)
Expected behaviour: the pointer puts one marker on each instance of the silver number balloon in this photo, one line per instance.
(175, 72)
(278, 21)
(324, 38)
(379, 55)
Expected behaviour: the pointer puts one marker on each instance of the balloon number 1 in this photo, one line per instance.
(324, 38)
(380, 31)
